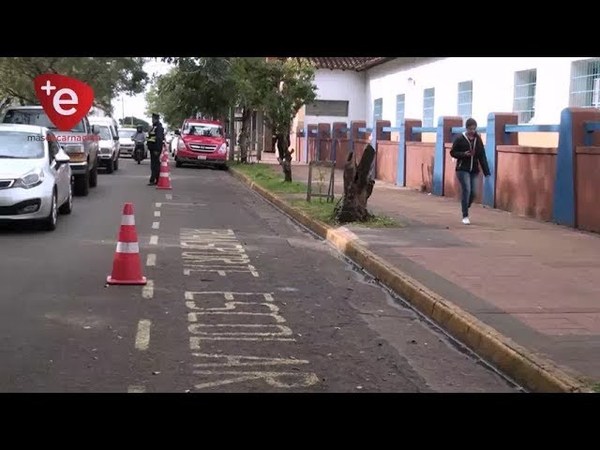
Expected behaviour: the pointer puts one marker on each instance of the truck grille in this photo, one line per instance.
(203, 148)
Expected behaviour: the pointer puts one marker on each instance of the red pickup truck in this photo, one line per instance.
(201, 142)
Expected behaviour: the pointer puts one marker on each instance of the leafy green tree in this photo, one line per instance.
(194, 85)
(107, 76)
(284, 86)
(132, 121)
(211, 86)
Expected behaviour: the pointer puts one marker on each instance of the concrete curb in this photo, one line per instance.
(527, 369)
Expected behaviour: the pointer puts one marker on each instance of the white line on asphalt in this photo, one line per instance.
(142, 338)
(136, 389)
(185, 204)
(153, 240)
(151, 259)
(148, 289)
(155, 225)
(169, 196)
(158, 205)
(156, 213)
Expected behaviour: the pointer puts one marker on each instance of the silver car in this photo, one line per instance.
(35, 175)
(125, 142)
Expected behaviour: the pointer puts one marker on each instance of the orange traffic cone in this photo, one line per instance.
(127, 267)
(164, 181)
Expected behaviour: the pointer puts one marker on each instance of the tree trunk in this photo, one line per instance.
(285, 155)
(244, 135)
(358, 187)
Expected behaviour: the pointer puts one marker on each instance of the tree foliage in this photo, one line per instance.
(284, 86)
(107, 76)
(210, 86)
(132, 121)
(193, 86)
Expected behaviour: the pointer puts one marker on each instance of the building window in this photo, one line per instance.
(378, 109)
(465, 99)
(524, 98)
(399, 109)
(428, 105)
(337, 108)
(585, 83)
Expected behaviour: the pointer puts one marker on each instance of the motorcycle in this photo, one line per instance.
(139, 153)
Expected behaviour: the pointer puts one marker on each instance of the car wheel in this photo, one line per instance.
(117, 163)
(50, 221)
(67, 207)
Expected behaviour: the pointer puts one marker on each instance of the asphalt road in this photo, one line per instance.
(239, 299)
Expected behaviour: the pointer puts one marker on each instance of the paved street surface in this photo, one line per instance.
(239, 299)
(534, 282)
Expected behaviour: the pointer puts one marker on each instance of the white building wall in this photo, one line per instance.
(493, 86)
(341, 85)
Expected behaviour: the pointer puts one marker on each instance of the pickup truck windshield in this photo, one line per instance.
(202, 129)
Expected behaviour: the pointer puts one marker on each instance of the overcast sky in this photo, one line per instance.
(125, 106)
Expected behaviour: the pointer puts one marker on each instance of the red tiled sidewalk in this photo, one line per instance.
(537, 283)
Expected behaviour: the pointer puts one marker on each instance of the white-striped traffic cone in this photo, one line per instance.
(164, 180)
(127, 266)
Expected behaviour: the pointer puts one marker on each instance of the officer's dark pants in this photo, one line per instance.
(154, 165)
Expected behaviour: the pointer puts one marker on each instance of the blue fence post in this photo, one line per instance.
(563, 208)
(496, 135)
(401, 163)
(439, 160)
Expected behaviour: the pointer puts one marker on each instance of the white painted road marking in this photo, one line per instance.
(253, 330)
(151, 259)
(155, 225)
(136, 389)
(271, 378)
(153, 240)
(142, 338)
(220, 360)
(218, 249)
(158, 205)
(148, 289)
(221, 319)
(185, 204)
(156, 213)
(169, 196)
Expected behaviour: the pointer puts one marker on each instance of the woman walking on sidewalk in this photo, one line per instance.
(469, 153)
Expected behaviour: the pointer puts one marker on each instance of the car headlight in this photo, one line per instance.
(30, 180)
(223, 148)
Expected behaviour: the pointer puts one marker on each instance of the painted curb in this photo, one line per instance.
(527, 369)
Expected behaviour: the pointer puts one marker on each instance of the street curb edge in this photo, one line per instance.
(525, 368)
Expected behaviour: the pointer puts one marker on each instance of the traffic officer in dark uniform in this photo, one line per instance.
(156, 138)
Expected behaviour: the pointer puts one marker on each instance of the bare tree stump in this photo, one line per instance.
(358, 187)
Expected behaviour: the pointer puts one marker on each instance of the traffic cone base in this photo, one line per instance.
(141, 282)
